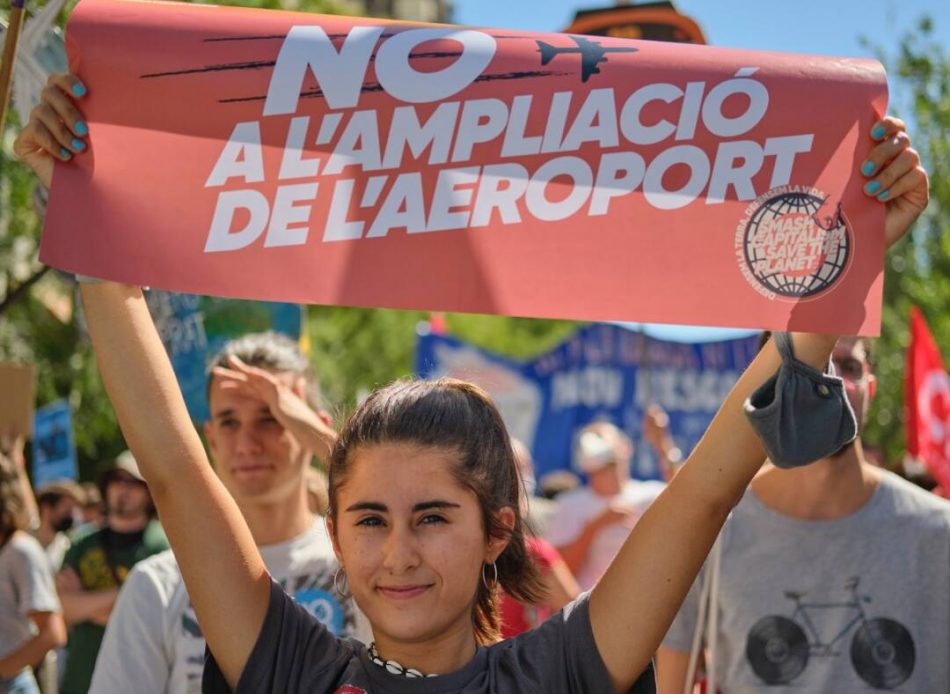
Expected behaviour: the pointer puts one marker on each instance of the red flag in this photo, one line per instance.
(927, 401)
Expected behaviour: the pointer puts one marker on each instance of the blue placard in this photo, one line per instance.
(193, 329)
(603, 372)
(54, 449)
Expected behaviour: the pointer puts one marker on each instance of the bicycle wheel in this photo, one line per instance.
(883, 653)
(777, 649)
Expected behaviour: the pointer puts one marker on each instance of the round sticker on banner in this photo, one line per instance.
(323, 606)
(793, 243)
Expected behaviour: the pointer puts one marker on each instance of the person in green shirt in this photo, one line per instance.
(97, 564)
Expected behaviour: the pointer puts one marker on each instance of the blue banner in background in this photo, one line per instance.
(603, 372)
(194, 328)
(54, 449)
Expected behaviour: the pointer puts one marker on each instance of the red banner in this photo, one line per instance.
(308, 158)
(927, 402)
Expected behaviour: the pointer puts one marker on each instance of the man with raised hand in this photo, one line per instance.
(591, 523)
(831, 577)
(262, 436)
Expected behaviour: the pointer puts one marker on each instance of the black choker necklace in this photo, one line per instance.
(392, 667)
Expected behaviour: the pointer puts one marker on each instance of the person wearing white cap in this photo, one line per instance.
(591, 522)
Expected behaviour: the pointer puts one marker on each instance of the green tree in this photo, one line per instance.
(917, 271)
(356, 350)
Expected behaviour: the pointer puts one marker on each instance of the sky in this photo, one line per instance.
(820, 27)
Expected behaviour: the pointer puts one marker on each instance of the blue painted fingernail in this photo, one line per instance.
(78, 144)
(883, 196)
(65, 153)
(79, 89)
(878, 132)
(83, 129)
(872, 187)
(867, 168)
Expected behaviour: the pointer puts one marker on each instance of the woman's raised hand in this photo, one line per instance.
(896, 177)
(56, 129)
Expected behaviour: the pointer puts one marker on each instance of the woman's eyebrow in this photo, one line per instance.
(421, 506)
(436, 503)
(367, 506)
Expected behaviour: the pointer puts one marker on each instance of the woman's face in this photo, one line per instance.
(412, 541)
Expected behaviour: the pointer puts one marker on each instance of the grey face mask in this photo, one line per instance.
(801, 414)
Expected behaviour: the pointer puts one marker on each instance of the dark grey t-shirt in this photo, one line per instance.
(295, 653)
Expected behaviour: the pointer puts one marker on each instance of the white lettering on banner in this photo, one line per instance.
(407, 131)
(592, 386)
(241, 157)
(221, 237)
(784, 149)
(595, 122)
(293, 165)
(482, 120)
(723, 126)
(358, 145)
(577, 170)
(516, 143)
(184, 334)
(179, 321)
(400, 80)
(339, 74)
(404, 207)
(286, 212)
(448, 197)
(500, 188)
(685, 390)
(345, 144)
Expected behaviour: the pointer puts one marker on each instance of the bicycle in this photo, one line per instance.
(882, 650)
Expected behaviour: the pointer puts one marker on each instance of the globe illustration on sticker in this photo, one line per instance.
(793, 243)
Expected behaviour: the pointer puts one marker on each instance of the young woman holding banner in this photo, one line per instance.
(424, 508)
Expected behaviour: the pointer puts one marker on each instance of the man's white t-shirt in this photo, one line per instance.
(576, 508)
(153, 642)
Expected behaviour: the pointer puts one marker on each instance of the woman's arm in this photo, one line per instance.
(226, 579)
(560, 586)
(672, 667)
(12, 445)
(635, 602)
(225, 576)
(50, 634)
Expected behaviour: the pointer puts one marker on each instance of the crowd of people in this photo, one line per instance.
(802, 527)
(407, 550)
(110, 576)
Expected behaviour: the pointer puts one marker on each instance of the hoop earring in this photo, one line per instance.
(494, 582)
(340, 584)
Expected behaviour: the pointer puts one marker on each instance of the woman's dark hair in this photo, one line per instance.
(460, 418)
(13, 515)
